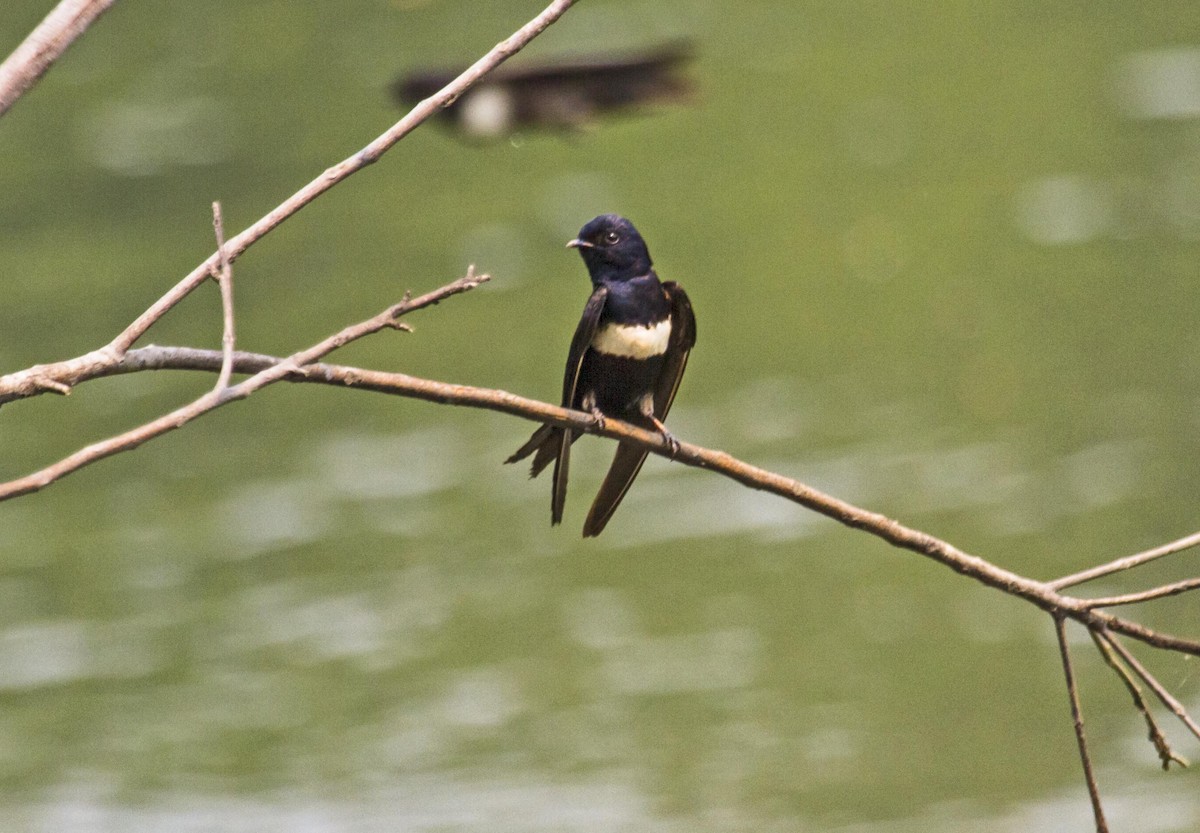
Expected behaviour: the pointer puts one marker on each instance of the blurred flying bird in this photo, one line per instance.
(565, 94)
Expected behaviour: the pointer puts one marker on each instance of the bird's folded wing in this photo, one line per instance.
(580, 343)
(683, 339)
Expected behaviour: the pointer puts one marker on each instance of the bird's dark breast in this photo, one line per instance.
(639, 301)
(617, 382)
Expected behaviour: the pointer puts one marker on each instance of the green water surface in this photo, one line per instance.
(945, 260)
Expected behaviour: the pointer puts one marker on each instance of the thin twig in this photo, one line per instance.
(224, 277)
(1060, 630)
(218, 397)
(45, 44)
(57, 378)
(1147, 595)
(1176, 708)
(1128, 562)
(1157, 739)
(339, 172)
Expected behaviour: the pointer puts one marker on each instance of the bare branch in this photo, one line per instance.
(1176, 708)
(1146, 595)
(224, 277)
(1060, 630)
(1161, 745)
(58, 377)
(1128, 562)
(29, 61)
(339, 172)
(220, 396)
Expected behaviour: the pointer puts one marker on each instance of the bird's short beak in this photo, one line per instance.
(578, 244)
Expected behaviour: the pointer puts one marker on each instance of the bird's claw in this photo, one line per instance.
(672, 443)
(598, 417)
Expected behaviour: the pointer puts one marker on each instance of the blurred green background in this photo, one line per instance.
(944, 260)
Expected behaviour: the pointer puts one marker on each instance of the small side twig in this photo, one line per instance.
(1060, 630)
(1153, 593)
(891, 531)
(224, 277)
(1127, 563)
(1160, 691)
(1162, 746)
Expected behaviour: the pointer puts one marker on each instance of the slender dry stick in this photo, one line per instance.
(1060, 629)
(1155, 733)
(1160, 691)
(57, 378)
(1162, 592)
(220, 396)
(1128, 562)
(29, 61)
(224, 277)
(339, 172)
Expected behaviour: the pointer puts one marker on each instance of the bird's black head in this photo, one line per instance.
(612, 249)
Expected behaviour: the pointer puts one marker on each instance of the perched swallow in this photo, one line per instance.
(626, 360)
(569, 93)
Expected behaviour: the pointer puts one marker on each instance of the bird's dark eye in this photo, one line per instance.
(612, 237)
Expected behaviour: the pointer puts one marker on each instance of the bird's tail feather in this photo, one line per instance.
(562, 463)
(534, 443)
(546, 442)
(626, 464)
